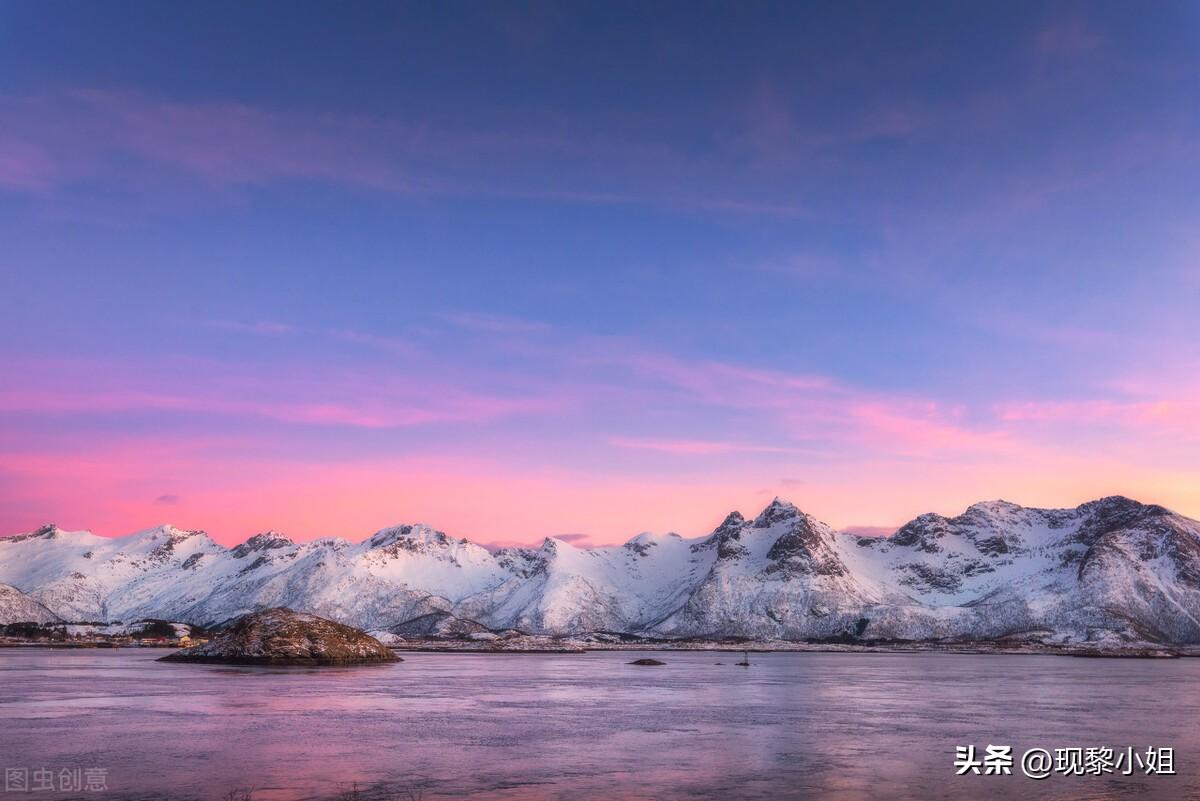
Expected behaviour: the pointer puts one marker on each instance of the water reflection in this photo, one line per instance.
(548, 726)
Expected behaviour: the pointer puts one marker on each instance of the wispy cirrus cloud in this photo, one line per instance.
(253, 327)
(627, 410)
(393, 344)
(902, 449)
(496, 323)
(27, 166)
(1163, 415)
(69, 138)
(363, 395)
(691, 447)
(75, 135)
(450, 405)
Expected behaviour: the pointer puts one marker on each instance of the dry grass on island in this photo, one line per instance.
(280, 636)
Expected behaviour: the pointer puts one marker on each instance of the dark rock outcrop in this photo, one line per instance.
(267, 541)
(438, 624)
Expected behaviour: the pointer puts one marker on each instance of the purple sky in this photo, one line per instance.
(523, 270)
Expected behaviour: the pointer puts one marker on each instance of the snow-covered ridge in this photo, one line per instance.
(17, 607)
(1110, 570)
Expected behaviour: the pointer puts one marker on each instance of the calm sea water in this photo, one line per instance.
(549, 726)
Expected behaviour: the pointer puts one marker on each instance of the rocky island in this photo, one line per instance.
(280, 636)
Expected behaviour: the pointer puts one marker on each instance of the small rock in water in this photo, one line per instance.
(647, 662)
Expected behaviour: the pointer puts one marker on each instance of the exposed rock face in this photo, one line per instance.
(267, 541)
(280, 636)
(786, 579)
(438, 624)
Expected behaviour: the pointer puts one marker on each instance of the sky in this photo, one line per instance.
(519, 270)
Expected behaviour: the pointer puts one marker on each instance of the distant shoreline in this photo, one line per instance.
(488, 648)
(997, 649)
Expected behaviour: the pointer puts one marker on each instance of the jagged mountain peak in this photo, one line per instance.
(1113, 502)
(555, 545)
(1108, 505)
(271, 538)
(807, 546)
(327, 543)
(775, 512)
(386, 536)
(266, 541)
(647, 540)
(996, 507)
(416, 533)
(732, 522)
(921, 533)
(1121, 506)
(1119, 518)
(651, 536)
(180, 534)
(47, 531)
(729, 538)
(163, 532)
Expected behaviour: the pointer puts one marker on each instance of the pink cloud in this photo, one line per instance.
(812, 407)
(146, 143)
(111, 489)
(850, 455)
(711, 381)
(105, 489)
(162, 148)
(351, 336)
(255, 327)
(1162, 414)
(496, 324)
(924, 430)
(777, 132)
(429, 404)
(72, 135)
(25, 165)
(694, 447)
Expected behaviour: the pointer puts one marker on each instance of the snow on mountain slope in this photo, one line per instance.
(561, 588)
(1112, 568)
(781, 575)
(79, 575)
(17, 607)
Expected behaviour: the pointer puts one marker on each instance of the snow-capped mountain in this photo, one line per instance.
(1111, 570)
(17, 607)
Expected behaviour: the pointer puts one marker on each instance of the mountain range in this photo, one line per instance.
(1111, 571)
